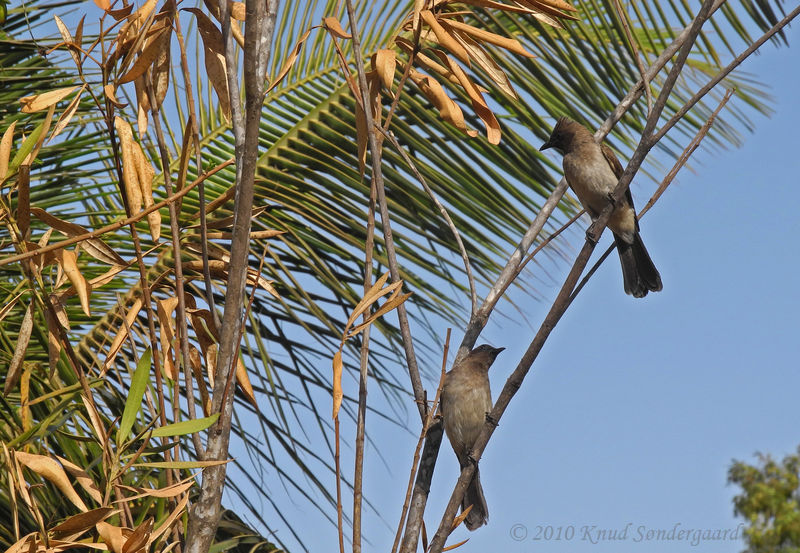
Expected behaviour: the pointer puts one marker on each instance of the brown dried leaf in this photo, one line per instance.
(110, 92)
(214, 50)
(67, 36)
(244, 382)
(237, 10)
(337, 383)
(5, 149)
(23, 338)
(50, 470)
(146, 173)
(551, 8)
(384, 63)
(69, 262)
(164, 308)
(483, 60)
(142, 105)
(60, 312)
(103, 4)
(455, 545)
(140, 15)
(130, 175)
(66, 117)
(335, 28)
(38, 102)
(196, 362)
(122, 333)
(22, 545)
(287, 65)
(82, 478)
(481, 35)
(443, 37)
(170, 520)
(121, 13)
(93, 246)
(155, 45)
(139, 537)
(112, 535)
(160, 73)
(493, 132)
(169, 491)
(83, 521)
(500, 6)
(448, 109)
(361, 137)
(53, 343)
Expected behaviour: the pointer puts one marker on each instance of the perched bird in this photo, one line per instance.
(592, 171)
(466, 400)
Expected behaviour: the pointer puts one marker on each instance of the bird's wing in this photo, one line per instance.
(617, 169)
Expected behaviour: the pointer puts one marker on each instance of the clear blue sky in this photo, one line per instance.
(635, 409)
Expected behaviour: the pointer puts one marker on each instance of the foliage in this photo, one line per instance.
(769, 502)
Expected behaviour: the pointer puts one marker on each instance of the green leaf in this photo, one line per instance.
(185, 427)
(134, 402)
(25, 149)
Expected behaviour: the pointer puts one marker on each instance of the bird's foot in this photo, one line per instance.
(591, 235)
(491, 420)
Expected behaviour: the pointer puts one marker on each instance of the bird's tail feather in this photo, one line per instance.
(639, 274)
(479, 514)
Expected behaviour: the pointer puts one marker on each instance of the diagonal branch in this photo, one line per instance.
(563, 299)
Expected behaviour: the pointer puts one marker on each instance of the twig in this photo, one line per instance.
(377, 175)
(685, 155)
(724, 73)
(445, 215)
(543, 244)
(645, 81)
(179, 283)
(362, 379)
(198, 155)
(636, 92)
(424, 435)
(119, 224)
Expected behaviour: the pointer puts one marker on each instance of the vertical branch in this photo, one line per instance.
(180, 292)
(362, 380)
(377, 176)
(260, 22)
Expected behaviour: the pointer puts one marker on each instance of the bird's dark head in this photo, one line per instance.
(562, 135)
(485, 352)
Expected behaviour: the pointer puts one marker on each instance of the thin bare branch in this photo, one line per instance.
(431, 435)
(445, 215)
(724, 73)
(119, 224)
(358, 477)
(627, 27)
(377, 176)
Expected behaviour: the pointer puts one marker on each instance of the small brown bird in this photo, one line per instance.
(592, 171)
(466, 400)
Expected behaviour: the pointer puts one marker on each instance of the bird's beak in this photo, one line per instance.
(545, 146)
(496, 351)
